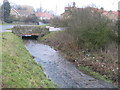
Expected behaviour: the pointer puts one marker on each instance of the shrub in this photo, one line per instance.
(90, 28)
(9, 20)
(58, 22)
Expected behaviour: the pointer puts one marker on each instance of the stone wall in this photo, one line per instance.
(19, 30)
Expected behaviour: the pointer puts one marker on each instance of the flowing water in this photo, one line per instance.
(60, 71)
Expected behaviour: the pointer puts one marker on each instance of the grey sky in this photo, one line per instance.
(58, 5)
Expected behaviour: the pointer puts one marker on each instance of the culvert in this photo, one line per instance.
(31, 37)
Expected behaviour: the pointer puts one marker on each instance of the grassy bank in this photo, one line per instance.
(8, 24)
(9, 29)
(19, 70)
(99, 65)
(5, 24)
(23, 24)
(13, 24)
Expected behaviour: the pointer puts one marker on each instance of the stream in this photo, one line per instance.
(60, 71)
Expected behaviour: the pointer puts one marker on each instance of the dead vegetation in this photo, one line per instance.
(105, 62)
(90, 40)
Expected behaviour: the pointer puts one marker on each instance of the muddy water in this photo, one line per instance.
(60, 71)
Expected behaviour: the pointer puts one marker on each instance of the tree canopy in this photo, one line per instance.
(6, 11)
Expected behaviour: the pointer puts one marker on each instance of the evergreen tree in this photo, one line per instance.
(6, 11)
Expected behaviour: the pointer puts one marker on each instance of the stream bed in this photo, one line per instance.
(60, 71)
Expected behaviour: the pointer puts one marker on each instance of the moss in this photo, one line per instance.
(19, 70)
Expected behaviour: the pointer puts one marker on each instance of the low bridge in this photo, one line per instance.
(29, 34)
(30, 31)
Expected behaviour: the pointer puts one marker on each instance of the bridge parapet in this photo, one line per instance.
(30, 30)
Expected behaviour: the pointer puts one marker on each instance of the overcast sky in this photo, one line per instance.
(58, 5)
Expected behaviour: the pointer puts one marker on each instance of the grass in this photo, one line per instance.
(19, 70)
(49, 35)
(36, 24)
(90, 72)
(40, 25)
(7, 24)
(21, 24)
(9, 29)
(12, 24)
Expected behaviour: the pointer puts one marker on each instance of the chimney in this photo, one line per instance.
(74, 4)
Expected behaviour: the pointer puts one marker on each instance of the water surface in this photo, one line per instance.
(60, 71)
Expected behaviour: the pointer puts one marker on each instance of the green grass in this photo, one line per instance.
(13, 24)
(90, 72)
(49, 35)
(21, 23)
(19, 70)
(6, 24)
(40, 25)
(9, 29)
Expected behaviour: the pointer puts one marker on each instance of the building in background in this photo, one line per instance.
(22, 11)
(44, 15)
(112, 15)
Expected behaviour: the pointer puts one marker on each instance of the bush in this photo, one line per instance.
(59, 22)
(9, 20)
(31, 18)
(90, 28)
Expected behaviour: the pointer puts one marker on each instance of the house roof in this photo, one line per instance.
(23, 12)
(102, 11)
(44, 14)
(14, 10)
(20, 12)
(115, 13)
(105, 12)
